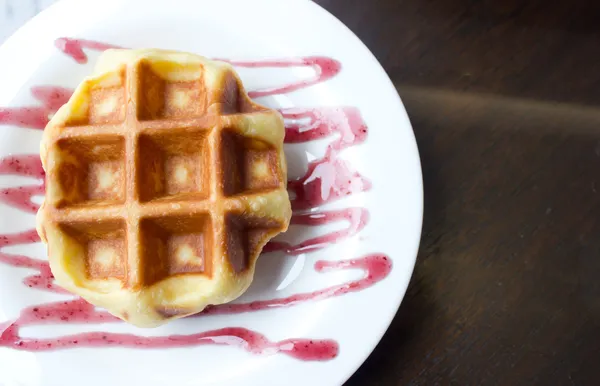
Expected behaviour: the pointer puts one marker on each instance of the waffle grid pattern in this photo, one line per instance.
(159, 177)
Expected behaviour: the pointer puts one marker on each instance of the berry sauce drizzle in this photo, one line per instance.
(324, 68)
(36, 117)
(26, 166)
(327, 179)
(376, 267)
(74, 48)
(355, 217)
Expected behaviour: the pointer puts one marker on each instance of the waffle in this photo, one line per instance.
(163, 183)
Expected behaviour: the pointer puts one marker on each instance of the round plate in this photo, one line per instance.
(328, 288)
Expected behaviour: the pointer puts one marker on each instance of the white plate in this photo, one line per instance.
(372, 182)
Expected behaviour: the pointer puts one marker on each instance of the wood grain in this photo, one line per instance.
(503, 98)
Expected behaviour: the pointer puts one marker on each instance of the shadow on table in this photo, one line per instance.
(503, 289)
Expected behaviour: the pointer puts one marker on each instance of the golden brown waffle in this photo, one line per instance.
(163, 183)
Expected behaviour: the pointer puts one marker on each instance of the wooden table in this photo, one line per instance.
(503, 97)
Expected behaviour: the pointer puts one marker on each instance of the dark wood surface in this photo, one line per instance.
(503, 96)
